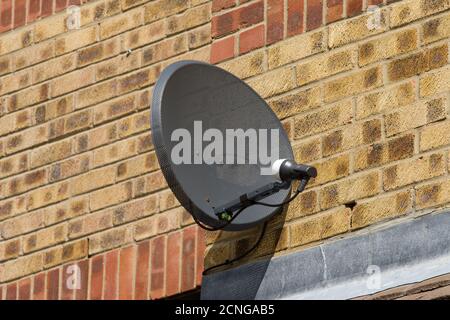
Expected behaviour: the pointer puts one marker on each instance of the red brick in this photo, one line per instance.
(354, 7)
(82, 293)
(6, 15)
(20, 7)
(34, 10)
(53, 284)
(142, 268)
(46, 8)
(96, 291)
(335, 10)
(201, 247)
(25, 289)
(314, 14)
(75, 2)
(251, 39)
(295, 14)
(222, 50)
(66, 292)
(39, 287)
(188, 276)
(251, 14)
(374, 2)
(218, 5)
(173, 263)
(126, 272)
(158, 248)
(111, 275)
(275, 21)
(60, 5)
(224, 24)
(11, 291)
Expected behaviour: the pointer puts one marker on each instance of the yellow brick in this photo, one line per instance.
(352, 30)
(114, 108)
(201, 54)
(34, 54)
(158, 9)
(149, 183)
(15, 121)
(97, 52)
(50, 27)
(73, 81)
(351, 136)
(65, 253)
(245, 66)
(407, 11)
(121, 23)
(15, 81)
(190, 18)
(435, 83)
(384, 152)
(91, 12)
(10, 249)
(44, 238)
(389, 98)
(70, 123)
(97, 137)
(307, 150)
(110, 196)
(26, 139)
(414, 170)
(16, 40)
(139, 79)
(434, 194)
(54, 68)
(380, 209)
(304, 205)
(133, 124)
(273, 82)
(414, 116)
(355, 83)
(90, 224)
(25, 182)
(137, 166)
(21, 267)
(324, 66)
(5, 64)
(199, 36)
(96, 93)
(165, 49)
(75, 40)
(324, 119)
(126, 4)
(12, 207)
(296, 48)
(51, 153)
(92, 180)
(144, 35)
(388, 46)
(113, 152)
(144, 228)
(110, 239)
(54, 109)
(28, 97)
(320, 227)
(436, 29)
(135, 210)
(349, 190)
(435, 136)
(23, 224)
(73, 207)
(167, 200)
(13, 165)
(331, 169)
(48, 195)
(118, 65)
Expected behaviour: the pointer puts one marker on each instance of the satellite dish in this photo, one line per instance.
(220, 147)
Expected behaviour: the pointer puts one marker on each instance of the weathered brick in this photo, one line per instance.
(114, 152)
(165, 49)
(355, 83)
(349, 190)
(89, 224)
(54, 109)
(97, 52)
(69, 167)
(167, 200)
(138, 79)
(54, 68)
(275, 21)
(50, 153)
(380, 209)
(15, 81)
(414, 170)
(199, 37)
(414, 116)
(75, 40)
(65, 253)
(20, 267)
(325, 66)
(96, 137)
(144, 228)
(33, 55)
(71, 208)
(273, 82)
(121, 23)
(12, 207)
(418, 63)
(168, 221)
(69, 124)
(352, 136)
(50, 27)
(307, 150)
(73, 81)
(118, 65)
(44, 238)
(378, 154)
(14, 122)
(389, 98)
(305, 204)
(436, 29)
(292, 104)
(109, 239)
(30, 97)
(137, 166)
(435, 83)
(144, 35)
(331, 169)
(190, 18)
(352, 30)
(435, 136)
(110, 196)
(433, 194)
(10, 249)
(324, 119)
(296, 48)
(47, 195)
(320, 227)
(25, 182)
(149, 183)
(163, 8)
(133, 124)
(97, 93)
(13, 165)
(407, 11)
(135, 210)
(295, 16)
(16, 40)
(388, 46)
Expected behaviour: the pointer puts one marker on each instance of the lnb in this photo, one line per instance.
(288, 170)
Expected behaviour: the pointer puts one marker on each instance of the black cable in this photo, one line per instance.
(299, 190)
(228, 262)
(222, 226)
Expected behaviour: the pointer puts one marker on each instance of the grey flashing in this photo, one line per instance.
(408, 252)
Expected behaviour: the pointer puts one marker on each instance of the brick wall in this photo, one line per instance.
(363, 95)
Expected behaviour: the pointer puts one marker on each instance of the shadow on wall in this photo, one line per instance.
(226, 245)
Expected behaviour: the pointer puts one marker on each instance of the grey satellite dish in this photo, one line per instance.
(220, 147)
